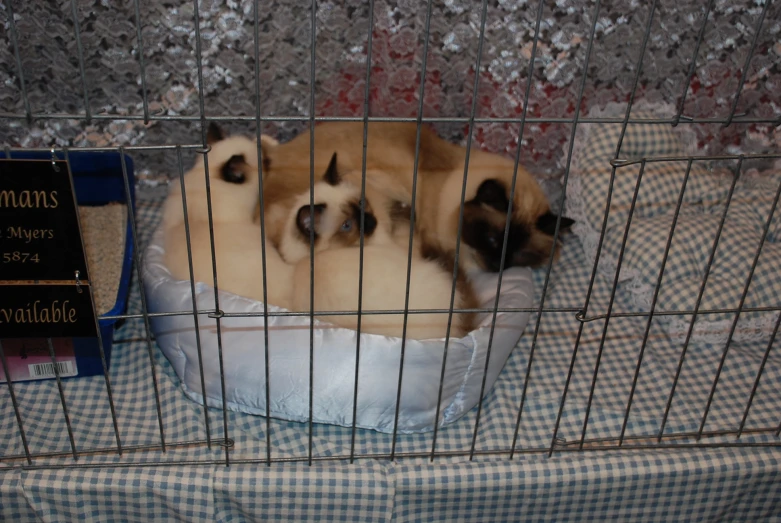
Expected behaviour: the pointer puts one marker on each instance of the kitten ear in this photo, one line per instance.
(267, 143)
(547, 223)
(214, 134)
(331, 175)
(566, 223)
(305, 222)
(233, 170)
(493, 194)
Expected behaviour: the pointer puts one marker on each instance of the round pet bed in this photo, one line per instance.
(334, 356)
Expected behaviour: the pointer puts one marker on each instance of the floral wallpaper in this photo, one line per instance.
(117, 37)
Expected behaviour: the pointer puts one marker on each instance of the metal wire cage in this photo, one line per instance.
(219, 443)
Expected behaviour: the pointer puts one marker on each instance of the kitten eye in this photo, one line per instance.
(347, 226)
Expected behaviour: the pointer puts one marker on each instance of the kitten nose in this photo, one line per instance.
(496, 239)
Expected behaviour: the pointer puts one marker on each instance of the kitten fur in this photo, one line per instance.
(335, 228)
(233, 180)
(384, 288)
(390, 165)
(336, 220)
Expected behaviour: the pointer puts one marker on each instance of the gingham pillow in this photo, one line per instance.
(702, 208)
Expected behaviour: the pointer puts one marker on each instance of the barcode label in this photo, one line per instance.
(46, 370)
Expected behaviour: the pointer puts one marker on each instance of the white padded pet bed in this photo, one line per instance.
(334, 356)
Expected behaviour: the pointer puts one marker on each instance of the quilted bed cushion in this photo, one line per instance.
(689, 261)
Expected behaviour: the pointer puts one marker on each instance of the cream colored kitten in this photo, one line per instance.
(233, 180)
(335, 229)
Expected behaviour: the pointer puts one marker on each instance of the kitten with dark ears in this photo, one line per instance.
(233, 181)
(333, 222)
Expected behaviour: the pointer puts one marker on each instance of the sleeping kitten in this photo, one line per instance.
(390, 161)
(336, 219)
(335, 227)
(233, 180)
(532, 225)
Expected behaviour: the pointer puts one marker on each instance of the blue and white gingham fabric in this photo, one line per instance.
(703, 205)
(651, 485)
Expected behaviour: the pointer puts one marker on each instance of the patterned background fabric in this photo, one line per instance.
(49, 57)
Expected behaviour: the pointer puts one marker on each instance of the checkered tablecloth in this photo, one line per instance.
(188, 482)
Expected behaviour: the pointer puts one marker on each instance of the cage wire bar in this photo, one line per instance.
(141, 61)
(744, 72)
(80, 54)
(754, 388)
(565, 183)
(459, 229)
(64, 403)
(526, 94)
(700, 294)
(261, 202)
(413, 200)
(101, 348)
(15, 403)
(554, 437)
(638, 71)
(693, 63)
(192, 291)
(217, 316)
(312, 62)
(662, 440)
(55, 368)
(507, 223)
(362, 220)
(131, 216)
(743, 296)
(18, 59)
(657, 288)
(739, 118)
